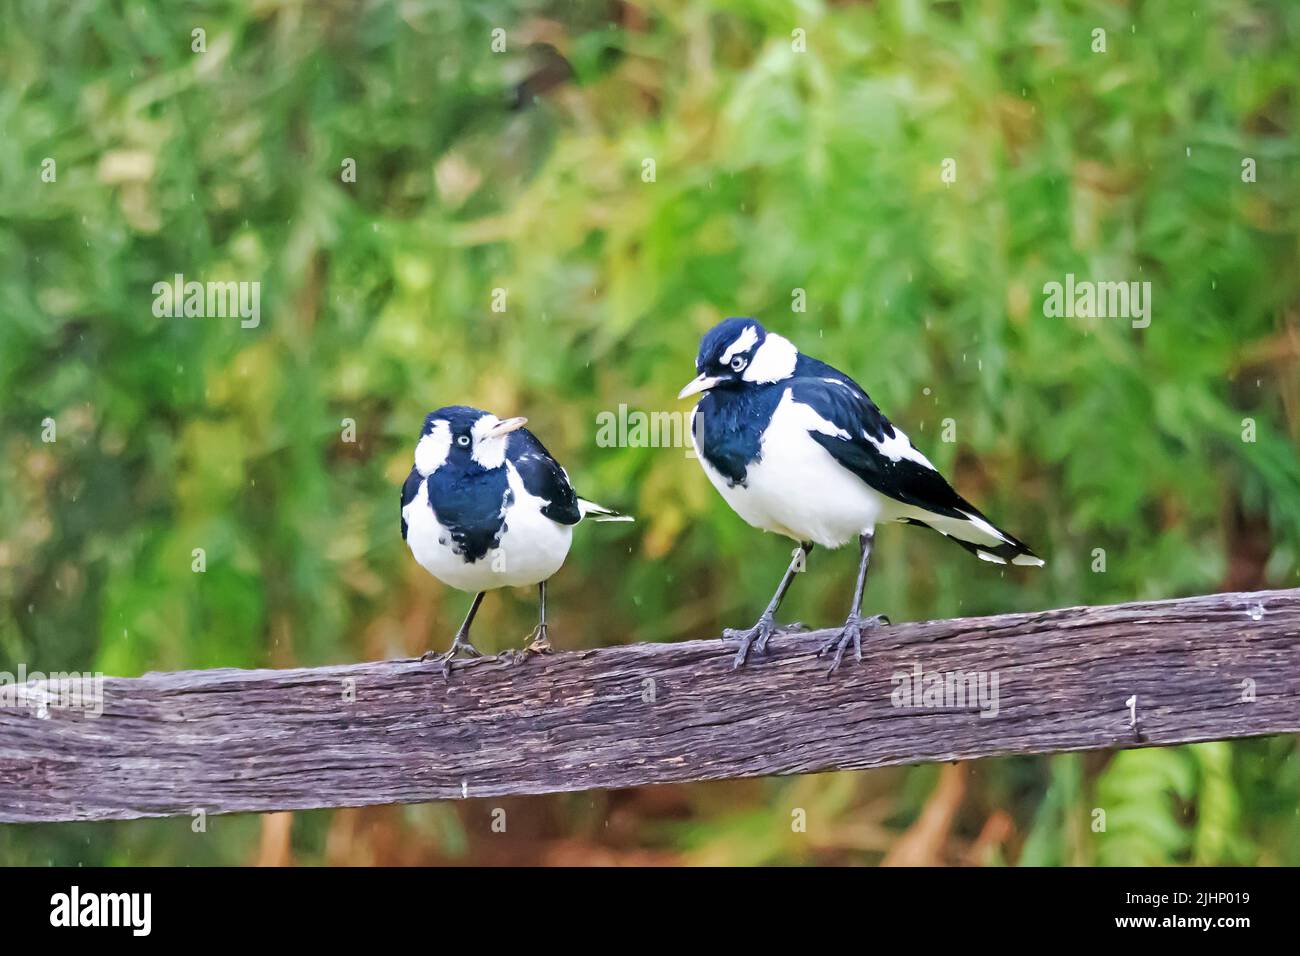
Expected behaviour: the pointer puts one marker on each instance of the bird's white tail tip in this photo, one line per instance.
(600, 512)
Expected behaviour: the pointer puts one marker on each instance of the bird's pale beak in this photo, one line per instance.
(505, 427)
(701, 383)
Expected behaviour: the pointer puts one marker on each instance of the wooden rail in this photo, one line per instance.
(223, 741)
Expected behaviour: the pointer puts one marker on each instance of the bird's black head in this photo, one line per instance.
(463, 436)
(739, 351)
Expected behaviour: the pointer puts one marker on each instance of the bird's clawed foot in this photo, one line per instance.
(851, 633)
(459, 646)
(756, 637)
(540, 644)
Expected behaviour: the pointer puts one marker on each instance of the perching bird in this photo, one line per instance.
(486, 506)
(797, 447)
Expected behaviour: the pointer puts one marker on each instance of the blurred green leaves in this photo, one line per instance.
(775, 171)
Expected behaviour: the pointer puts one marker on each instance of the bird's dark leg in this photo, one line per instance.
(762, 631)
(540, 643)
(851, 633)
(460, 643)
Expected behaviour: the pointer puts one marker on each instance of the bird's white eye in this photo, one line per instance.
(462, 440)
(738, 363)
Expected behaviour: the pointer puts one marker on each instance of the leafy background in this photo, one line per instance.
(774, 170)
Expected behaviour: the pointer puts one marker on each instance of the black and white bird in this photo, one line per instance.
(797, 447)
(486, 506)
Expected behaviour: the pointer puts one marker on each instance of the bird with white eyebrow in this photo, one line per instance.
(798, 448)
(486, 506)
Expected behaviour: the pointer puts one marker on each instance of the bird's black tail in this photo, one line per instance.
(1006, 550)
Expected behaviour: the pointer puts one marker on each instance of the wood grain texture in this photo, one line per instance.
(229, 740)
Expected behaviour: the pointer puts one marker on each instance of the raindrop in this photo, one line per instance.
(1256, 611)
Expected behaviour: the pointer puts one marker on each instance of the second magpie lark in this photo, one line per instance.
(798, 448)
(486, 506)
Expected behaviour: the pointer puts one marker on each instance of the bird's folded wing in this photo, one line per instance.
(865, 442)
(542, 476)
(410, 488)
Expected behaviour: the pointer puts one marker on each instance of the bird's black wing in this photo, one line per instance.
(409, 489)
(864, 441)
(542, 476)
(862, 429)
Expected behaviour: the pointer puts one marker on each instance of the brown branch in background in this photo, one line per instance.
(924, 842)
(275, 848)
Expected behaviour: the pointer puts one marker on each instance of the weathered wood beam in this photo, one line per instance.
(222, 741)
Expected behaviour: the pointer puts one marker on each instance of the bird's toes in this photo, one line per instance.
(461, 652)
(540, 643)
(850, 635)
(541, 646)
(747, 639)
(765, 634)
(840, 645)
(754, 638)
(742, 654)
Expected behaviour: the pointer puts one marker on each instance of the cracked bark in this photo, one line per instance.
(230, 741)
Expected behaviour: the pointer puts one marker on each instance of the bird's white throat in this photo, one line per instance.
(489, 448)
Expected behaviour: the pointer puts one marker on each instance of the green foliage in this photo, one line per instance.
(1143, 793)
(1171, 806)
(775, 170)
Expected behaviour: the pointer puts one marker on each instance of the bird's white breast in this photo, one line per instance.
(531, 549)
(797, 488)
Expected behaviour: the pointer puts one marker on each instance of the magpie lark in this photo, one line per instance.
(486, 506)
(796, 447)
